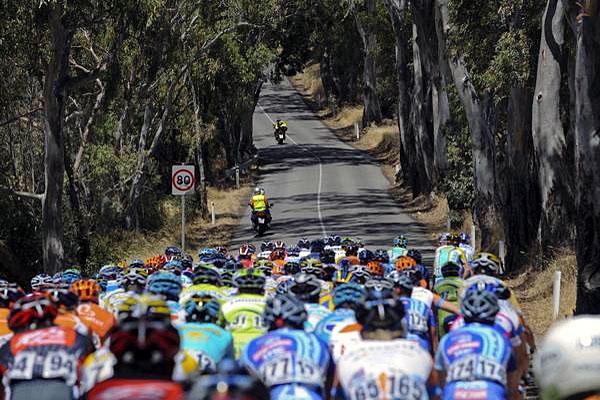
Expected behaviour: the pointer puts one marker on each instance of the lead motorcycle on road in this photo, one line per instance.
(261, 221)
(280, 134)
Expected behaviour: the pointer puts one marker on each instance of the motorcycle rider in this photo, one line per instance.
(280, 126)
(292, 363)
(41, 360)
(258, 203)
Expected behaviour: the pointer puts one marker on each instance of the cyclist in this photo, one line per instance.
(245, 255)
(201, 337)
(9, 293)
(67, 303)
(400, 248)
(419, 318)
(448, 289)
(307, 288)
(425, 295)
(142, 359)
(418, 257)
(133, 281)
(449, 252)
(469, 366)
(98, 320)
(465, 245)
(108, 278)
(206, 282)
(567, 365)
(242, 314)
(41, 360)
(383, 364)
(292, 363)
(168, 285)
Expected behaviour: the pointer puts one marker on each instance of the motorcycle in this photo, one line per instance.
(280, 135)
(261, 221)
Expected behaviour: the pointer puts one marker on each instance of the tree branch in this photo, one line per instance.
(19, 193)
(18, 117)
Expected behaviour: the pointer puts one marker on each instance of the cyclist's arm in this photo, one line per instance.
(445, 305)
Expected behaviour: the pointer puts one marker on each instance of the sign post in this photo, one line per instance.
(183, 181)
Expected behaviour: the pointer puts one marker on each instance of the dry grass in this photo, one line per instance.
(534, 290)
(309, 83)
(199, 232)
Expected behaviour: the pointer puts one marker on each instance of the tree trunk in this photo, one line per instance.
(372, 108)
(201, 193)
(548, 131)
(420, 117)
(587, 145)
(521, 200)
(479, 113)
(396, 10)
(54, 161)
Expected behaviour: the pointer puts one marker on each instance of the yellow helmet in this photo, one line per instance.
(486, 263)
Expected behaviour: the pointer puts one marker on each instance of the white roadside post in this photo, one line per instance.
(212, 213)
(237, 176)
(183, 181)
(473, 233)
(502, 253)
(556, 295)
(357, 131)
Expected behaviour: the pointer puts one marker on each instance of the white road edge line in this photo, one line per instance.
(320, 185)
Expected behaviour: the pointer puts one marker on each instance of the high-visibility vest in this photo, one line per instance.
(259, 202)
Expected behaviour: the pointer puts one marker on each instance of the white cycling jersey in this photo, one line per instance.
(377, 369)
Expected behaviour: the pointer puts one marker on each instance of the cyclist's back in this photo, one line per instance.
(242, 316)
(448, 254)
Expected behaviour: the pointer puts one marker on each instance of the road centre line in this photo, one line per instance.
(320, 185)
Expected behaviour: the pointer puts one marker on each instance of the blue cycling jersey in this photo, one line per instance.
(209, 343)
(289, 361)
(336, 320)
(419, 319)
(316, 312)
(476, 360)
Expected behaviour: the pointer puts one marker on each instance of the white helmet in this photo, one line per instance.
(257, 190)
(568, 362)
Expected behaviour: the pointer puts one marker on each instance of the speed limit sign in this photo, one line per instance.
(183, 179)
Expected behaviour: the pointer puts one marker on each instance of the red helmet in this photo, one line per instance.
(32, 309)
(279, 244)
(277, 254)
(246, 250)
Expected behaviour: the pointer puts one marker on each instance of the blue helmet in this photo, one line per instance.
(364, 256)
(348, 293)
(284, 310)
(173, 251)
(381, 310)
(207, 253)
(464, 238)
(479, 306)
(401, 241)
(206, 275)
(197, 309)
(137, 263)
(174, 266)
(70, 275)
(165, 283)
(382, 256)
(110, 272)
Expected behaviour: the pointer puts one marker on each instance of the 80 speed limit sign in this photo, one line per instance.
(183, 179)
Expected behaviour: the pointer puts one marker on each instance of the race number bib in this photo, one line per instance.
(285, 370)
(417, 322)
(475, 367)
(205, 363)
(397, 386)
(60, 364)
(22, 368)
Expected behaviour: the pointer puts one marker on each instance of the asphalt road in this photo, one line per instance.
(319, 184)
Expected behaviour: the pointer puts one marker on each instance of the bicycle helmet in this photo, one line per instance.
(403, 283)
(277, 254)
(265, 266)
(401, 241)
(9, 293)
(486, 264)
(405, 262)
(267, 246)
(415, 255)
(137, 263)
(284, 310)
(86, 290)
(40, 281)
(173, 251)
(317, 246)
(166, 284)
(110, 272)
(70, 275)
(376, 268)
(306, 287)
(134, 279)
(232, 265)
(381, 311)
(291, 268)
(312, 266)
(567, 364)
(246, 251)
(451, 270)
(303, 244)
(364, 256)
(443, 239)
(197, 309)
(173, 266)
(351, 249)
(249, 280)
(279, 244)
(226, 278)
(348, 295)
(414, 275)
(187, 262)
(453, 239)
(464, 238)
(222, 249)
(382, 256)
(378, 283)
(360, 274)
(293, 251)
(479, 306)
(206, 275)
(32, 311)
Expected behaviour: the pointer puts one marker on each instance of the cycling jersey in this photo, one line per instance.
(52, 353)
(418, 320)
(376, 369)
(129, 389)
(446, 254)
(396, 252)
(5, 332)
(342, 338)
(468, 250)
(242, 316)
(334, 322)
(289, 361)
(316, 312)
(97, 319)
(208, 343)
(448, 289)
(476, 359)
(70, 319)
